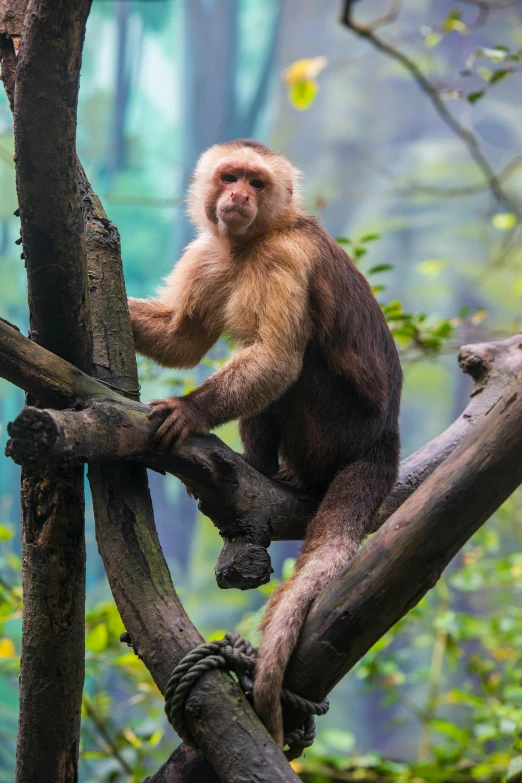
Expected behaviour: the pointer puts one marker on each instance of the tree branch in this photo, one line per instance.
(493, 367)
(405, 558)
(231, 492)
(367, 31)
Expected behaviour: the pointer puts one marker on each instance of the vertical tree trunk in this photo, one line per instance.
(53, 546)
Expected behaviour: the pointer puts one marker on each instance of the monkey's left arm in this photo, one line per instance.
(251, 379)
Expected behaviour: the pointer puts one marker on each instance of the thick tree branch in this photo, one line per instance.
(404, 559)
(230, 492)
(492, 365)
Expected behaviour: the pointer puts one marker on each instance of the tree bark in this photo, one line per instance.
(401, 562)
(391, 572)
(53, 547)
(248, 508)
(405, 558)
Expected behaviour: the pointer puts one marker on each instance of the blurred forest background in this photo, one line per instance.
(440, 697)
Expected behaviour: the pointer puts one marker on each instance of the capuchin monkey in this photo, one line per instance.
(315, 382)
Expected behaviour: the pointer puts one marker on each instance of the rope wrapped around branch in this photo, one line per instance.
(235, 654)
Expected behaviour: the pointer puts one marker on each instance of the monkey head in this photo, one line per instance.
(242, 187)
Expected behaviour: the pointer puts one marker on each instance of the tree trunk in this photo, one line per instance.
(53, 547)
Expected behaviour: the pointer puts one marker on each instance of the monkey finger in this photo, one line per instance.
(169, 423)
(170, 439)
(159, 407)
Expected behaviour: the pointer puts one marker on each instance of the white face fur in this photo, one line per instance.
(235, 188)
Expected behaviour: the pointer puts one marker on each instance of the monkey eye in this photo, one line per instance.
(229, 178)
(258, 184)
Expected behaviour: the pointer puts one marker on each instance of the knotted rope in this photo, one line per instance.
(237, 655)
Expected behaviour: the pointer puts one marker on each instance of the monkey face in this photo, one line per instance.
(242, 187)
(240, 195)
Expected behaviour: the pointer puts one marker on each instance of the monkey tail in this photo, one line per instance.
(282, 623)
(332, 538)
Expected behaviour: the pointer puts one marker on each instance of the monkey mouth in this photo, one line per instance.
(235, 209)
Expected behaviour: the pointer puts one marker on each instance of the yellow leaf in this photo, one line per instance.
(215, 635)
(432, 267)
(7, 648)
(432, 39)
(478, 317)
(155, 738)
(304, 70)
(132, 739)
(5, 533)
(504, 221)
(504, 653)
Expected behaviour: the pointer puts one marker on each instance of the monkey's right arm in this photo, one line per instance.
(170, 338)
(171, 330)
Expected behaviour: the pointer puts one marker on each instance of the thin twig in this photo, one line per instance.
(105, 735)
(492, 179)
(491, 5)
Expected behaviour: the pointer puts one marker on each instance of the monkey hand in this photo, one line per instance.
(181, 419)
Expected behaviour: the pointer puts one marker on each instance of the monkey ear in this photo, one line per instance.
(290, 190)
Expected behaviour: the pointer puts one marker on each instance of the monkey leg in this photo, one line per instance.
(260, 436)
(332, 538)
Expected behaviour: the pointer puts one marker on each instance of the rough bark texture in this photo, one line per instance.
(248, 508)
(12, 14)
(392, 572)
(401, 562)
(53, 548)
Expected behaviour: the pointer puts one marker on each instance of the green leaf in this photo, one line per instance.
(343, 240)
(97, 638)
(370, 238)
(379, 268)
(5, 533)
(450, 730)
(302, 94)
(473, 97)
(504, 221)
(339, 740)
(498, 75)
